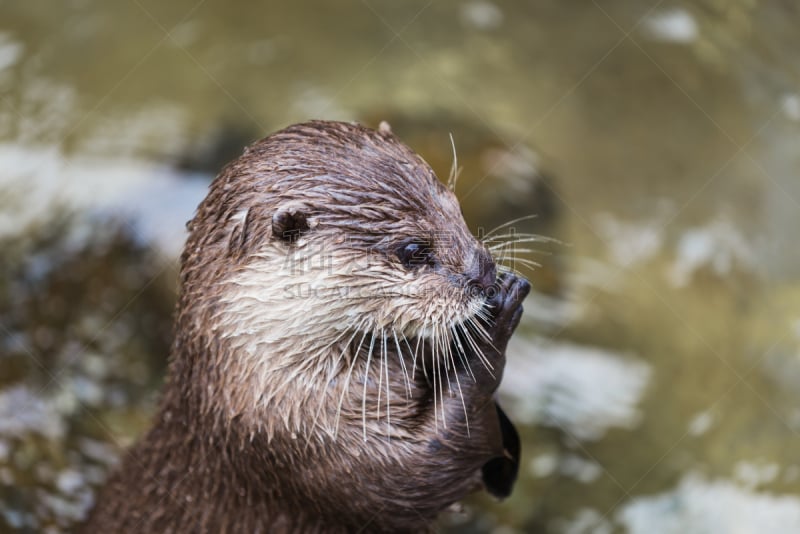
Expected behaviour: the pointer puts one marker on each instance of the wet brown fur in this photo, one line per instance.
(214, 460)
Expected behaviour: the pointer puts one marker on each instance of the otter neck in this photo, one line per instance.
(232, 465)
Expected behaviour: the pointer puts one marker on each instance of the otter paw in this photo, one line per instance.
(505, 308)
(503, 311)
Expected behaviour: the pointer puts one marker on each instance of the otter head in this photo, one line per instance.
(318, 236)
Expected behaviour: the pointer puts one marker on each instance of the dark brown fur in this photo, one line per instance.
(209, 465)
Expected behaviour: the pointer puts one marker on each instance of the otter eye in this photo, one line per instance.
(288, 225)
(416, 253)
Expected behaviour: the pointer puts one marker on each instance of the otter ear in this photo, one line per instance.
(289, 223)
(240, 240)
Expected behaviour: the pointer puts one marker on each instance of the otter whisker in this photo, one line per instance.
(402, 364)
(420, 339)
(531, 266)
(474, 345)
(512, 257)
(384, 365)
(407, 344)
(410, 351)
(438, 377)
(385, 358)
(481, 331)
(380, 379)
(458, 382)
(455, 170)
(507, 265)
(502, 250)
(514, 236)
(514, 246)
(445, 360)
(507, 224)
(332, 372)
(346, 388)
(351, 328)
(481, 356)
(522, 245)
(514, 254)
(438, 369)
(366, 382)
(483, 313)
(433, 376)
(478, 327)
(462, 354)
(509, 270)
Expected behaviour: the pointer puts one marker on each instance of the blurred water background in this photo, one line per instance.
(656, 375)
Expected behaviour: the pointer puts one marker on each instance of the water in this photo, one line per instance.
(656, 376)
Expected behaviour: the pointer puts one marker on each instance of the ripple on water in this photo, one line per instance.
(701, 506)
(23, 411)
(584, 391)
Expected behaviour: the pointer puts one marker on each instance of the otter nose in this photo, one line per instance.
(481, 272)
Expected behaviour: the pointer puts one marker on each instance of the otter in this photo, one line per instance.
(339, 338)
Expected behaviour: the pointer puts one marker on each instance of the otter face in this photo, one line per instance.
(325, 233)
(418, 274)
(351, 227)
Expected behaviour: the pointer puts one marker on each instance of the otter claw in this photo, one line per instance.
(505, 306)
(500, 473)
